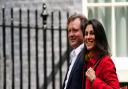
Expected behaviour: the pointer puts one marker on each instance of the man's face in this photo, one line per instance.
(75, 34)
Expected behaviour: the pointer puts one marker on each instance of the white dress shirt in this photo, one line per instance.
(73, 56)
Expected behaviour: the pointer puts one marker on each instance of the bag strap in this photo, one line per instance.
(96, 64)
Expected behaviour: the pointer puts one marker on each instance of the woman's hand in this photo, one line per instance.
(90, 73)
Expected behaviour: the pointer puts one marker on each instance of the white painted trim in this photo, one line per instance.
(115, 4)
(121, 64)
(84, 7)
(113, 35)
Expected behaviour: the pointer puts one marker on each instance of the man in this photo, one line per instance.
(75, 25)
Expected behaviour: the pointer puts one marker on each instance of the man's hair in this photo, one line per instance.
(82, 18)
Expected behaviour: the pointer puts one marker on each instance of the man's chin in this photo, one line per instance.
(73, 45)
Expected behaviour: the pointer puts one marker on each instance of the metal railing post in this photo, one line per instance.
(44, 16)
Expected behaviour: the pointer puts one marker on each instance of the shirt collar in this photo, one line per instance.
(78, 49)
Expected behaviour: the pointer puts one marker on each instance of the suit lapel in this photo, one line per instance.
(65, 79)
(79, 58)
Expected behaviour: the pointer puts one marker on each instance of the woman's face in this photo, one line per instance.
(89, 38)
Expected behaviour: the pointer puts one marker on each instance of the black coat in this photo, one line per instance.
(75, 78)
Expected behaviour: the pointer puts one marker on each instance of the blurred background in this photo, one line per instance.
(33, 39)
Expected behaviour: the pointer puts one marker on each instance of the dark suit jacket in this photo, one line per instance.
(75, 78)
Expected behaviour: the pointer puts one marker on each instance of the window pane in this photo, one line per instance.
(104, 16)
(98, 1)
(121, 31)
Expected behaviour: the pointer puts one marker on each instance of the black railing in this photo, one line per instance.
(23, 49)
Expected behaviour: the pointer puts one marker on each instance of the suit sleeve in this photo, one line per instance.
(109, 79)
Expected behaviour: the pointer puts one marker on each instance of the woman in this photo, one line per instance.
(99, 69)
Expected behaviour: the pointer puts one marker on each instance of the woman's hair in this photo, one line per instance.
(100, 37)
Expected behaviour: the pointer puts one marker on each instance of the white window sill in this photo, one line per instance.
(121, 64)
